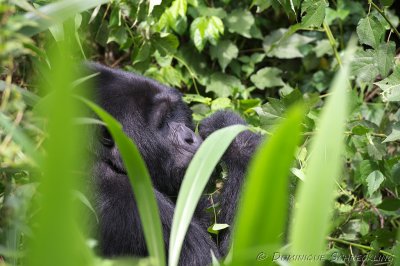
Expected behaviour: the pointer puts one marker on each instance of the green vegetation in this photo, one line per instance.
(320, 79)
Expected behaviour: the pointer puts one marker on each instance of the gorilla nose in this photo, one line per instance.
(192, 139)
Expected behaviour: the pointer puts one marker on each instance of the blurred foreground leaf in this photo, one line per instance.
(194, 182)
(262, 213)
(315, 196)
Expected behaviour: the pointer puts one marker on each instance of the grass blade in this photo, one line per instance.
(262, 213)
(194, 182)
(140, 182)
(54, 13)
(315, 196)
(56, 228)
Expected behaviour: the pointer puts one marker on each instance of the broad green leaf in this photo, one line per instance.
(176, 16)
(289, 6)
(212, 11)
(261, 5)
(277, 44)
(385, 57)
(267, 77)
(365, 65)
(194, 182)
(224, 51)
(374, 180)
(390, 204)
(323, 47)
(51, 14)
(313, 12)
(395, 134)
(205, 29)
(271, 113)
(240, 21)
(165, 43)
(262, 212)
(215, 228)
(152, 4)
(143, 53)
(391, 86)
(370, 31)
(396, 250)
(315, 196)
(140, 182)
(223, 85)
(221, 103)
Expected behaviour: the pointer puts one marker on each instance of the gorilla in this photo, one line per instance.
(160, 124)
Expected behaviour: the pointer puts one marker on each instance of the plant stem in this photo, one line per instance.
(382, 12)
(332, 41)
(359, 246)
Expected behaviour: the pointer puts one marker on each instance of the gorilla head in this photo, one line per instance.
(155, 117)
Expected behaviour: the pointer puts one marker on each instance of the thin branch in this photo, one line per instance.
(382, 12)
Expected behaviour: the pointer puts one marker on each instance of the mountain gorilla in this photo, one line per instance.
(156, 118)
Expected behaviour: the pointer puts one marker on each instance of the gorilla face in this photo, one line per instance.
(155, 117)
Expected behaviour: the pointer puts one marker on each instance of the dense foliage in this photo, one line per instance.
(255, 57)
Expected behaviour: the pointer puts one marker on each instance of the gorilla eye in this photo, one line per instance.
(161, 114)
(105, 137)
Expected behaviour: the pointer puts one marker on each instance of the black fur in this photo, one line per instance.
(156, 118)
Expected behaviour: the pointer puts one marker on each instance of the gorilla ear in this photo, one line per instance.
(105, 137)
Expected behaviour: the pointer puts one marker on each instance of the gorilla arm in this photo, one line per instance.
(236, 158)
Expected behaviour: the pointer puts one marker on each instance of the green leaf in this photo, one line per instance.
(165, 43)
(385, 57)
(221, 103)
(370, 31)
(315, 196)
(365, 66)
(395, 134)
(279, 45)
(267, 182)
(313, 12)
(194, 182)
(174, 17)
(267, 77)
(225, 51)
(389, 204)
(215, 228)
(360, 130)
(240, 21)
(261, 5)
(223, 85)
(143, 53)
(374, 180)
(57, 12)
(152, 4)
(391, 86)
(205, 29)
(140, 182)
